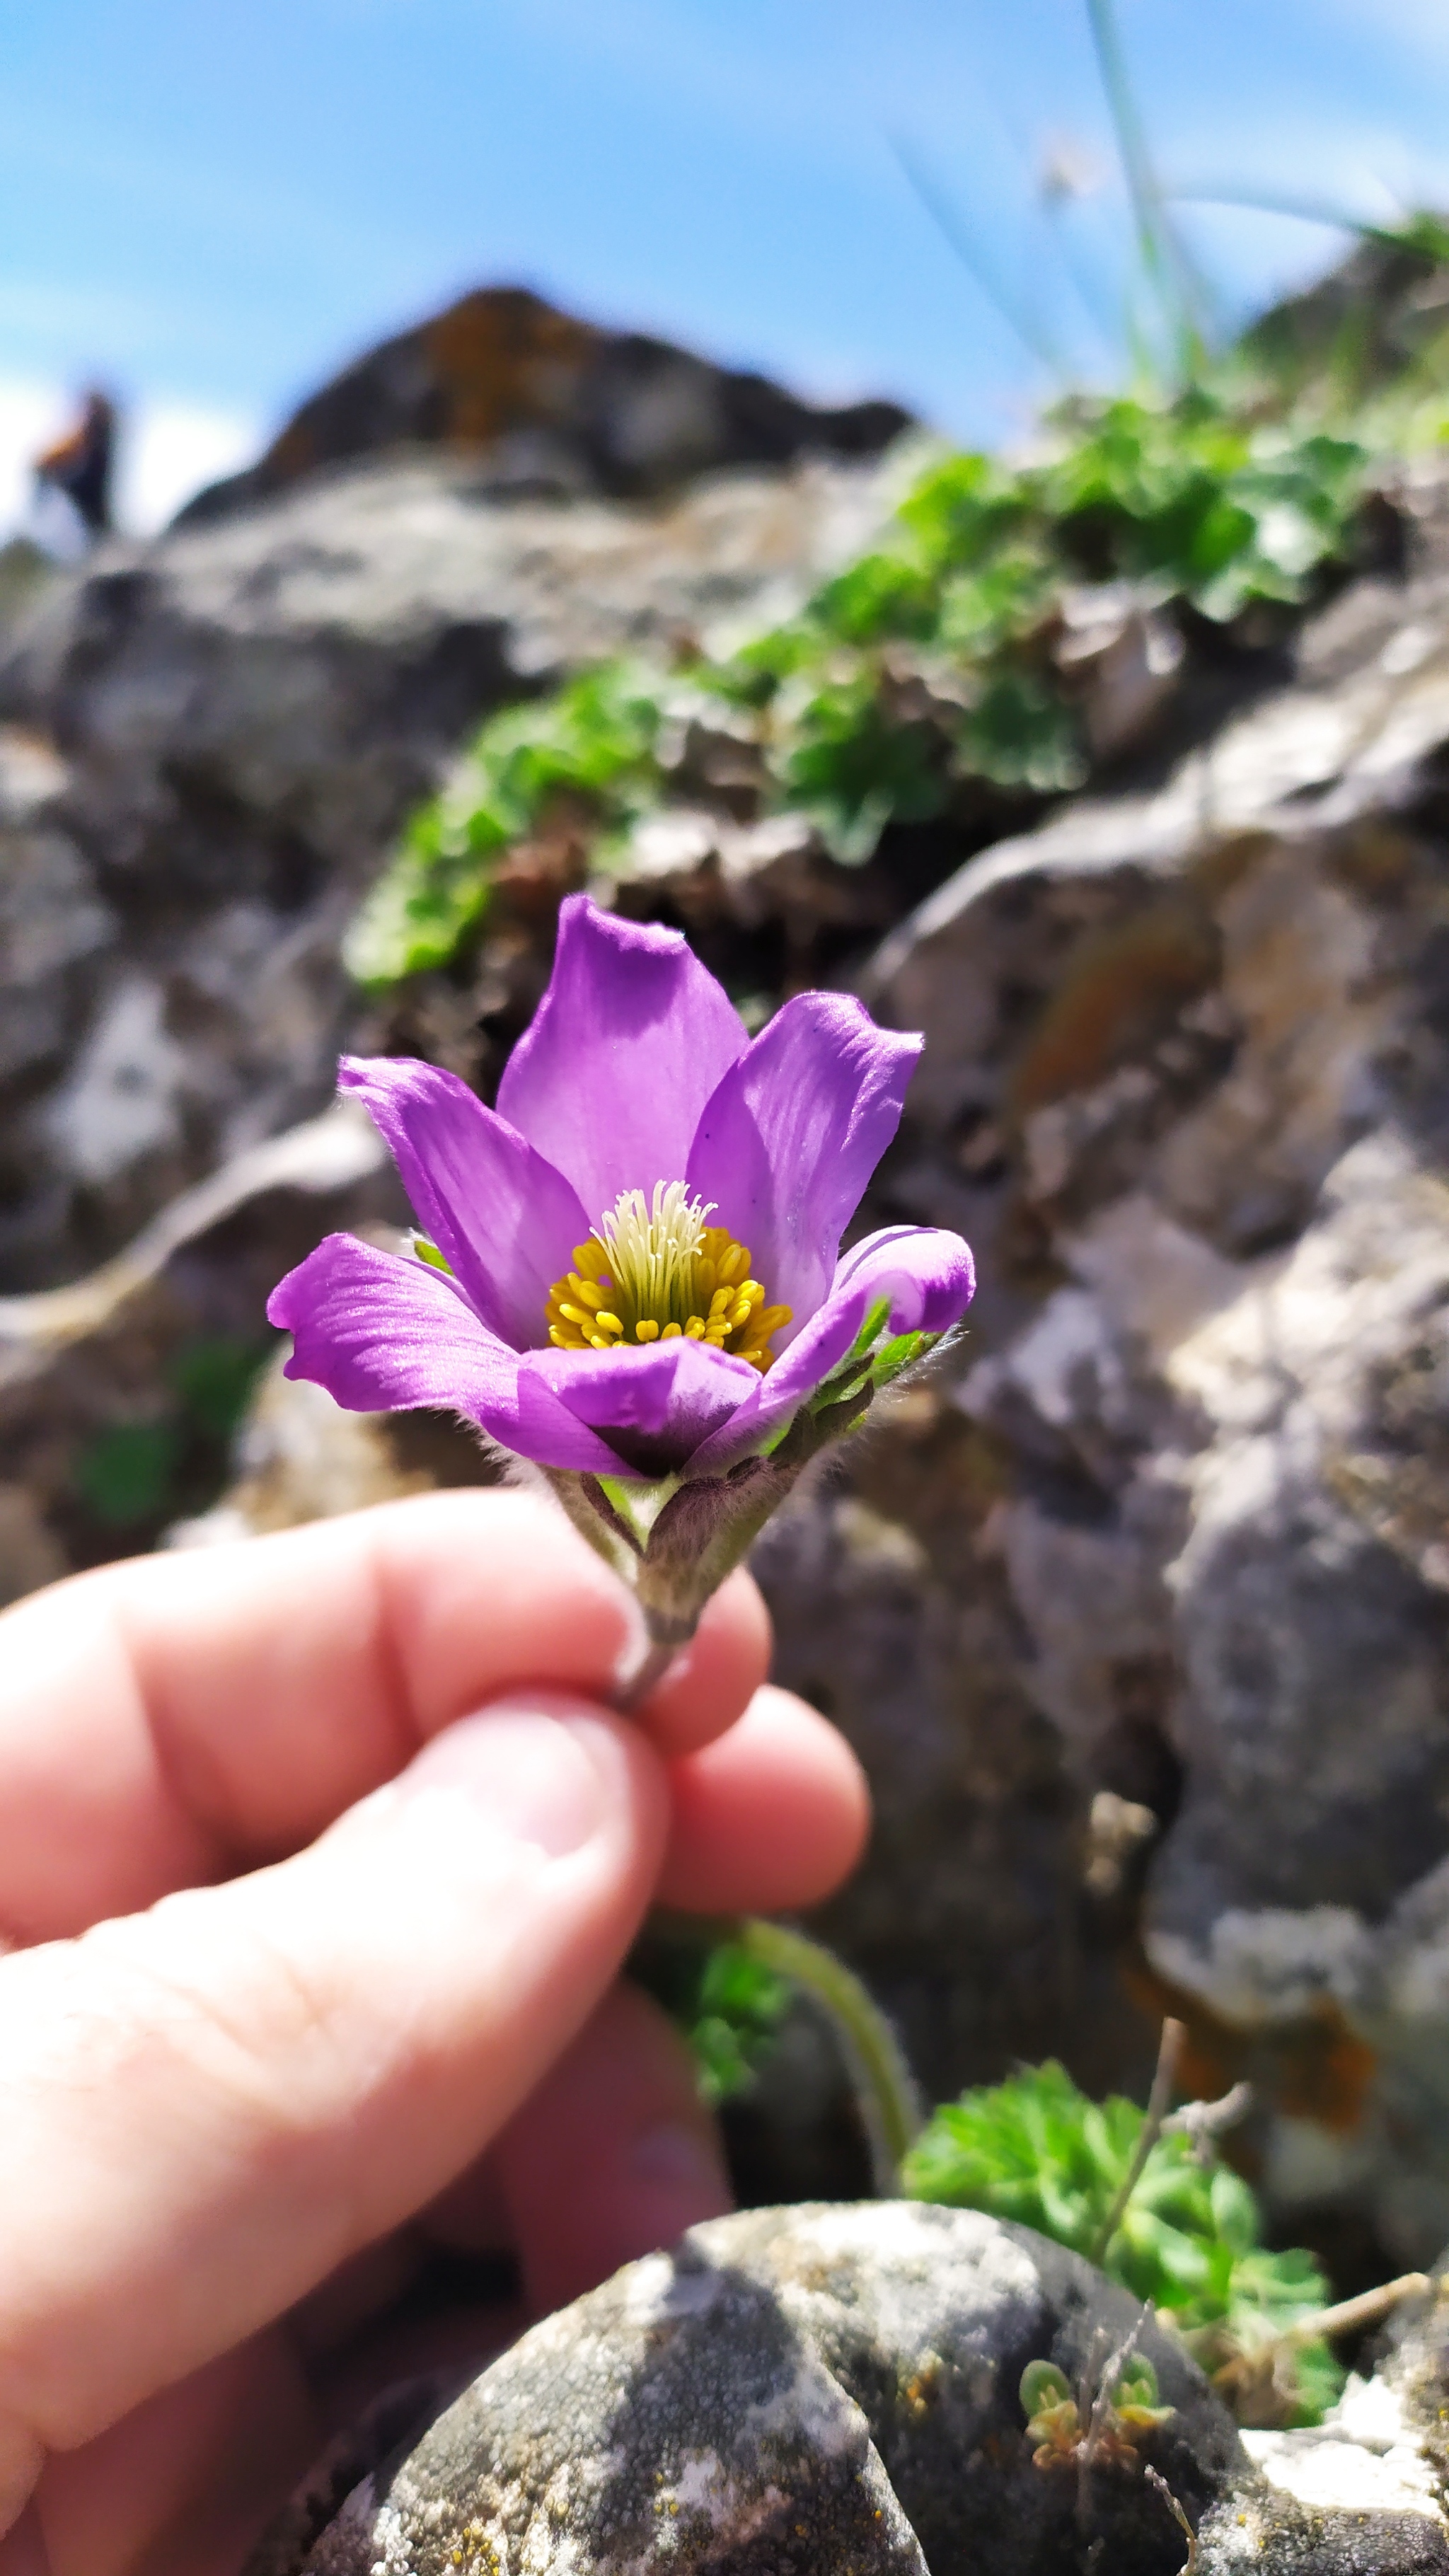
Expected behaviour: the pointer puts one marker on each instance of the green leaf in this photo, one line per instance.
(1042, 2385)
(961, 508)
(898, 1354)
(214, 1378)
(728, 2005)
(1021, 733)
(1138, 2383)
(1234, 2210)
(877, 597)
(125, 1474)
(842, 758)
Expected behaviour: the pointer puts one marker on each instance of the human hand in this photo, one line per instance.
(318, 1859)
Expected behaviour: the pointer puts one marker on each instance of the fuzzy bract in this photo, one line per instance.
(631, 1269)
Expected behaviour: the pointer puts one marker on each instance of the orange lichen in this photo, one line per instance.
(1119, 989)
(1315, 2068)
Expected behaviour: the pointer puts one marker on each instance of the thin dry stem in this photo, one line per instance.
(1168, 2053)
(1364, 2310)
(1155, 2478)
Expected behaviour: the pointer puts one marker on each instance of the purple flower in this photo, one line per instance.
(631, 1269)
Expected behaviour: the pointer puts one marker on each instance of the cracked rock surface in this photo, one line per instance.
(1139, 1613)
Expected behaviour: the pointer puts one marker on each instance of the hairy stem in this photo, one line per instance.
(652, 1666)
(884, 2087)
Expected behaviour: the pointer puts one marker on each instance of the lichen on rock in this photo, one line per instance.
(831, 2390)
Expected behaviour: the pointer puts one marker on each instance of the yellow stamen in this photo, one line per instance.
(666, 1274)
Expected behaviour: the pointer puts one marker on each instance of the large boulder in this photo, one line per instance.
(1137, 1610)
(213, 740)
(539, 398)
(805, 2392)
(1140, 1614)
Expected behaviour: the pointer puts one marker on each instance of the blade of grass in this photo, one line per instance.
(958, 238)
(1165, 264)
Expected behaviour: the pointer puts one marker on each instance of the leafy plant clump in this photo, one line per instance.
(727, 2004)
(585, 753)
(149, 1471)
(1037, 2150)
(920, 675)
(1129, 2408)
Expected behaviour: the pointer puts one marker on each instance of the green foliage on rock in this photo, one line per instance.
(921, 670)
(1036, 2149)
(590, 746)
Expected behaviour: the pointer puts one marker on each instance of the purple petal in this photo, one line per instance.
(927, 1273)
(928, 1278)
(625, 1048)
(503, 1218)
(383, 1334)
(654, 1406)
(792, 1135)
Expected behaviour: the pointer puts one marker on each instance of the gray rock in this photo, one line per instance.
(77, 1362)
(51, 917)
(1179, 1497)
(541, 398)
(820, 2389)
(246, 713)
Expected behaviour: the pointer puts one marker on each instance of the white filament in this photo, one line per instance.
(651, 1252)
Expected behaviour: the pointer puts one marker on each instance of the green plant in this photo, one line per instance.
(1036, 2149)
(587, 748)
(134, 1472)
(922, 667)
(1125, 2407)
(125, 1474)
(728, 2004)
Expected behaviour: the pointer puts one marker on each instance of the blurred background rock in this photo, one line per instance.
(1137, 1612)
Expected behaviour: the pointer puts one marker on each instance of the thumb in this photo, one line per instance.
(203, 2109)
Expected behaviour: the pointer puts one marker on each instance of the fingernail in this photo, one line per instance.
(533, 1774)
(675, 2157)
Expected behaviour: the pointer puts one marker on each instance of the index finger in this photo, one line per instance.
(167, 1721)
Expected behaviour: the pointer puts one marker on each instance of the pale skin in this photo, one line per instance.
(318, 1859)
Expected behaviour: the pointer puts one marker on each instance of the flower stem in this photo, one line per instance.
(882, 2082)
(652, 1666)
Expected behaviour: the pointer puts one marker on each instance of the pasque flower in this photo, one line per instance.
(630, 1271)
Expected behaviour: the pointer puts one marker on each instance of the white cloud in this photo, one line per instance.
(167, 451)
(1414, 23)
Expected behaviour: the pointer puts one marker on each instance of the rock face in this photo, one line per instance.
(213, 741)
(1180, 1497)
(823, 2389)
(1138, 1611)
(542, 399)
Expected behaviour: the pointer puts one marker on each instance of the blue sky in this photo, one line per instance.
(210, 208)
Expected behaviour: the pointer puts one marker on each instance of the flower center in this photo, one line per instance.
(650, 1273)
